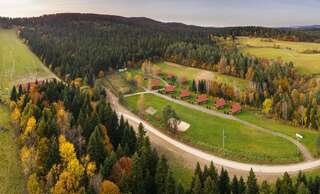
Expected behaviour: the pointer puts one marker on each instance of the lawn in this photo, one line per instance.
(17, 62)
(194, 73)
(11, 178)
(241, 143)
(287, 51)
(309, 136)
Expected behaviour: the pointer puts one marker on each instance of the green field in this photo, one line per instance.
(241, 143)
(309, 136)
(11, 178)
(194, 73)
(286, 50)
(17, 62)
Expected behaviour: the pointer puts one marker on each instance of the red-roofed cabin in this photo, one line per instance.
(202, 99)
(236, 108)
(155, 84)
(220, 103)
(170, 75)
(184, 94)
(169, 89)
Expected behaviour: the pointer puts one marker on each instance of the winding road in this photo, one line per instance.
(199, 155)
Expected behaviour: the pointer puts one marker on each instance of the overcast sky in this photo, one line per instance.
(198, 12)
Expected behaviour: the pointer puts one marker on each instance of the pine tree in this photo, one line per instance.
(170, 186)
(252, 184)
(96, 146)
(14, 95)
(107, 165)
(235, 185)
(208, 186)
(137, 183)
(242, 186)
(194, 86)
(197, 174)
(53, 155)
(224, 182)
(265, 188)
(161, 174)
(197, 188)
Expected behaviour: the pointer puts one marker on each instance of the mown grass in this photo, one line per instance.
(193, 73)
(17, 62)
(241, 143)
(309, 136)
(11, 178)
(286, 50)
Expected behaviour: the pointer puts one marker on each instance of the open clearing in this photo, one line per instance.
(286, 50)
(17, 62)
(194, 73)
(241, 143)
(11, 178)
(309, 136)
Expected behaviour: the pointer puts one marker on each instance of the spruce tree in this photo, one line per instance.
(96, 146)
(224, 182)
(107, 165)
(235, 185)
(242, 186)
(197, 188)
(208, 186)
(161, 175)
(252, 185)
(137, 183)
(170, 186)
(265, 188)
(14, 95)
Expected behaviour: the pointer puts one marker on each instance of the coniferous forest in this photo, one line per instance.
(73, 142)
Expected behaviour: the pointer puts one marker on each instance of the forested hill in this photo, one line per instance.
(83, 44)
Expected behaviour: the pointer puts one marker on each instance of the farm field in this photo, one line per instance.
(194, 73)
(241, 143)
(286, 50)
(17, 62)
(309, 136)
(11, 178)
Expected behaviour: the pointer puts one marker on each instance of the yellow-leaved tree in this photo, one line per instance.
(66, 150)
(267, 105)
(34, 186)
(31, 125)
(108, 187)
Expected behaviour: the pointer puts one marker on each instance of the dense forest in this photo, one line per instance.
(73, 142)
(83, 44)
(75, 45)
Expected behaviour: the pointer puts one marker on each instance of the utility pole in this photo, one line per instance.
(223, 139)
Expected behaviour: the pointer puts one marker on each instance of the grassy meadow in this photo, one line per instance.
(194, 73)
(17, 62)
(306, 63)
(11, 178)
(309, 136)
(241, 143)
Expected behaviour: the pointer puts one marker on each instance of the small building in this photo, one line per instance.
(220, 103)
(184, 94)
(236, 108)
(202, 99)
(169, 89)
(155, 84)
(170, 75)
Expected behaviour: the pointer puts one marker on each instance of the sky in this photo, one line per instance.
(273, 13)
